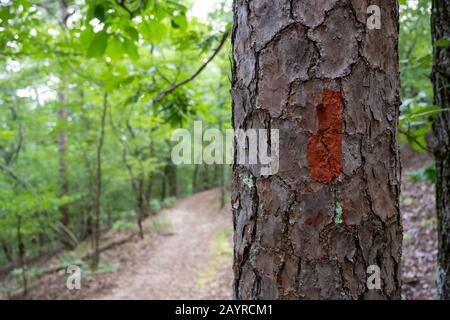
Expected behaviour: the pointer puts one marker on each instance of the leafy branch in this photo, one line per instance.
(175, 86)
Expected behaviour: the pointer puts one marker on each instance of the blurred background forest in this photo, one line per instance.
(90, 93)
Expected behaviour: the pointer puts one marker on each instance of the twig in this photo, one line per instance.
(17, 178)
(123, 6)
(174, 87)
(413, 139)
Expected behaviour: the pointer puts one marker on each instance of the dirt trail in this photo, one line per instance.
(179, 260)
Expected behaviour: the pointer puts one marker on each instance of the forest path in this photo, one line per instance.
(182, 261)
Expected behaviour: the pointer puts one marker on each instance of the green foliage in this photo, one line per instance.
(54, 74)
(107, 267)
(415, 49)
(168, 202)
(155, 205)
(123, 225)
(427, 173)
(442, 43)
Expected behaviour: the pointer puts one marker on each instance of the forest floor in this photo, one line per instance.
(192, 256)
(187, 252)
(418, 211)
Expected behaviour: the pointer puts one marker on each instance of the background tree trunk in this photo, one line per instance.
(195, 179)
(149, 188)
(98, 185)
(315, 72)
(62, 145)
(440, 24)
(172, 180)
(62, 151)
(22, 253)
(141, 207)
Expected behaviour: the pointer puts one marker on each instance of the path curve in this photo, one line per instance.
(169, 269)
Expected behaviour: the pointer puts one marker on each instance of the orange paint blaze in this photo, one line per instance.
(325, 147)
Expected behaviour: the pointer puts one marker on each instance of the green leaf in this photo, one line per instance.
(98, 45)
(422, 112)
(426, 61)
(6, 135)
(114, 50)
(130, 48)
(132, 32)
(99, 13)
(423, 174)
(442, 43)
(179, 21)
(86, 36)
(153, 31)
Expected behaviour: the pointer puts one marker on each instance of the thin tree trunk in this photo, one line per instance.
(222, 172)
(6, 251)
(149, 189)
(62, 151)
(164, 185)
(21, 249)
(62, 145)
(195, 179)
(206, 181)
(172, 175)
(88, 206)
(141, 207)
(222, 186)
(440, 23)
(98, 185)
(148, 192)
(315, 72)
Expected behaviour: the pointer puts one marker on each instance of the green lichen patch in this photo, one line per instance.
(248, 181)
(338, 214)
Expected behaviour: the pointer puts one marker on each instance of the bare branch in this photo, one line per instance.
(174, 86)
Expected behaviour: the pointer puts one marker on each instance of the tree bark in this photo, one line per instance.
(315, 72)
(440, 24)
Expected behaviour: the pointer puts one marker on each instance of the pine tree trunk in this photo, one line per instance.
(314, 71)
(440, 21)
